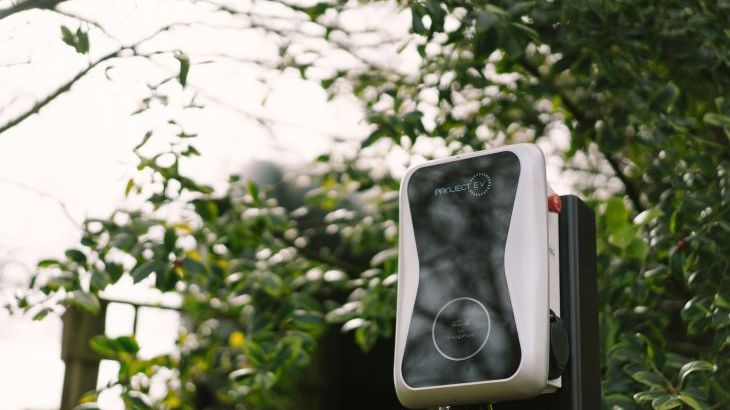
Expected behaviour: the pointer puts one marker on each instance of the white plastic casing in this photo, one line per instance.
(527, 273)
(553, 277)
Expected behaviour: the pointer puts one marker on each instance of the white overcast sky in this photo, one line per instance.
(77, 151)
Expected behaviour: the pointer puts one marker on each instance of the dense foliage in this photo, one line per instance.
(642, 87)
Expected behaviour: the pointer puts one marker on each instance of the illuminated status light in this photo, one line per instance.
(478, 185)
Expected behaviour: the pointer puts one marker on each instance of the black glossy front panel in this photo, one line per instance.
(462, 329)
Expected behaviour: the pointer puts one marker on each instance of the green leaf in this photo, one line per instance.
(88, 240)
(647, 216)
(241, 374)
(190, 265)
(170, 239)
(374, 136)
(271, 283)
(76, 256)
(486, 43)
(68, 37)
(511, 44)
(123, 241)
(365, 337)
(264, 380)
(134, 401)
(143, 270)
(675, 361)
(716, 119)
(623, 236)
(253, 190)
(88, 399)
(695, 366)
(87, 406)
(304, 301)
(674, 223)
(666, 403)
(307, 321)
(127, 344)
(64, 281)
(417, 19)
(285, 353)
(128, 188)
(79, 41)
(721, 301)
(648, 395)
(41, 314)
(437, 13)
(191, 151)
(82, 41)
(616, 214)
(485, 21)
(254, 353)
(182, 76)
(185, 135)
(85, 301)
(317, 10)
(692, 401)
(45, 263)
(165, 278)
(696, 314)
(114, 347)
(618, 401)
(664, 98)
(145, 138)
(649, 379)
(637, 249)
(114, 270)
(99, 279)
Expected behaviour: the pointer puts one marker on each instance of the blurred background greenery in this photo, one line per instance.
(278, 269)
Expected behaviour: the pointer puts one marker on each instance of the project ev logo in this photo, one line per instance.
(478, 185)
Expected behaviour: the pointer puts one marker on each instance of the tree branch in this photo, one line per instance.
(263, 120)
(29, 5)
(65, 87)
(257, 21)
(44, 194)
(84, 20)
(60, 90)
(16, 63)
(631, 191)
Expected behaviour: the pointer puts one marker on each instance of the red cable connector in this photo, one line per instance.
(555, 204)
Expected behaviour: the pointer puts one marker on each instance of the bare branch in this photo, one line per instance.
(65, 87)
(84, 20)
(43, 194)
(631, 191)
(264, 121)
(59, 91)
(29, 5)
(24, 62)
(8, 104)
(257, 21)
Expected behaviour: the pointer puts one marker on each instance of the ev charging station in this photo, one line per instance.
(496, 287)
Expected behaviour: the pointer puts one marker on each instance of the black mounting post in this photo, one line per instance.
(579, 310)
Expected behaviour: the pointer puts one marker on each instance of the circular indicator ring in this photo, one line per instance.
(461, 329)
(480, 183)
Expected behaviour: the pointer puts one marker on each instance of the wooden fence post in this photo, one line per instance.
(82, 363)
